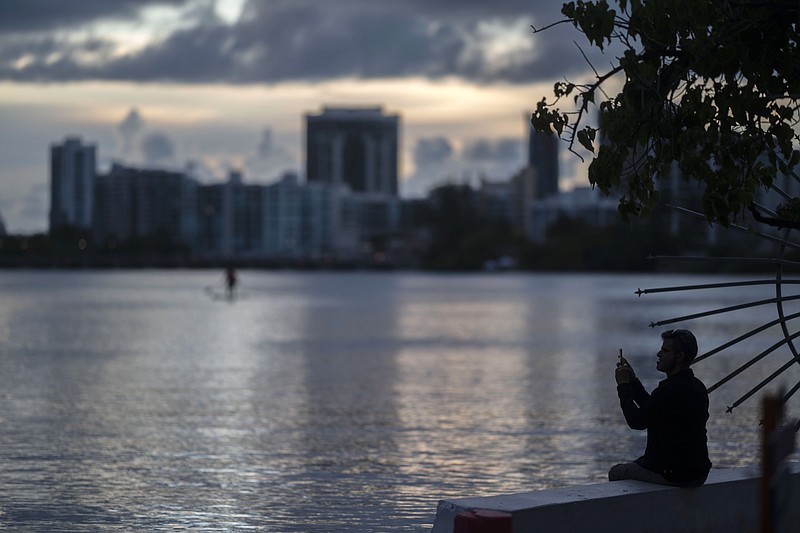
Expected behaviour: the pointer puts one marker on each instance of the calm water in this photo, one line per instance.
(134, 401)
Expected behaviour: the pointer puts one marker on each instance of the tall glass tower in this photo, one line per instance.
(543, 158)
(353, 147)
(72, 175)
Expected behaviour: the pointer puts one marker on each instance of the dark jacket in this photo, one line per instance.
(674, 416)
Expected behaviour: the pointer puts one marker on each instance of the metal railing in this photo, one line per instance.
(779, 281)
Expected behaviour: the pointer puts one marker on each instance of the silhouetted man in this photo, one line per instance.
(674, 416)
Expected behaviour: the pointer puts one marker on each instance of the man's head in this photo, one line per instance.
(678, 350)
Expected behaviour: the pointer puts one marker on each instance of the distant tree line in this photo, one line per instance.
(464, 239)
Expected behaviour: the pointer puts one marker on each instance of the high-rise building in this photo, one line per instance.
(230, 218)
(143, 203)
(72, 175)
(543, 158)
(363, 218)
(213, 221)
(353, 147)
(284, 218)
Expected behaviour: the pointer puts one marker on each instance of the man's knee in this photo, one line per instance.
(618, 472)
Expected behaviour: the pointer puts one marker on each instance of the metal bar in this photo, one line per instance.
(739, 339)
(786, 195)
(764, 236)
(790, 393)
(781, 264)
(786, 340)
(760, 386)
(694, 258)
(779, 295)
(639, 292)
(766, 210)
(750, 363)
(723, 310)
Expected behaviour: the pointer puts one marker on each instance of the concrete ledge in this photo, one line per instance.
(728, 502)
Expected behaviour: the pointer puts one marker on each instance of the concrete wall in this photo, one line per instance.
(729, 502)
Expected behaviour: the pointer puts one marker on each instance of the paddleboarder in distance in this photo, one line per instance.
(674, 415)
(230, 281)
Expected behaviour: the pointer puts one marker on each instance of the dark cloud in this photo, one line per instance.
(38, 15)
(283, 40)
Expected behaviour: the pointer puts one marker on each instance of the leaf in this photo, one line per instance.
(586, 138)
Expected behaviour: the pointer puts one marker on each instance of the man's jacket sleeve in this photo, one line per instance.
(637, 405)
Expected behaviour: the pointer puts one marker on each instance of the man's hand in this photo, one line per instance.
(624, 372)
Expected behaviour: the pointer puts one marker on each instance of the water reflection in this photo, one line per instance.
(132, 401)
(349, 417)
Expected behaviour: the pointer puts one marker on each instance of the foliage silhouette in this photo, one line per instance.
(712, 86)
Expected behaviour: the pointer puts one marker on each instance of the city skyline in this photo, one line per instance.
(225, 84)
(348, 203)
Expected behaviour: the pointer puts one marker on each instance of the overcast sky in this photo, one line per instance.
(224, 84)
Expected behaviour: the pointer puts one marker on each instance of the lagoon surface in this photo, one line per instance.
(138, 401)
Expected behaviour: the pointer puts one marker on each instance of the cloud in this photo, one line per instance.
(37, 200)
(201, 171)
(129, 129)
(271, 159)
(157, 149)
(266, 146)
(27, 212)
(437, 161)
(38, 15)
(302, 40)
(493, 150)
(491, 159)
(434, 160)
(432, 151)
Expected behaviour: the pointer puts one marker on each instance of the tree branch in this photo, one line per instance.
(535, 31)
